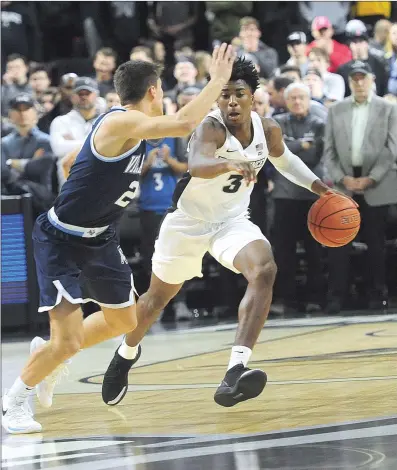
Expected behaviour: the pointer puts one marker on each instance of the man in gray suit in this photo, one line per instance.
(360, 153)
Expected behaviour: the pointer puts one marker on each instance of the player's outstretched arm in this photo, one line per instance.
(140, 126)
(210, 136)
(289, 164)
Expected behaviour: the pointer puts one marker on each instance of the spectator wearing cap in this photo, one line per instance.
(380, 41)
(26, 141)
(391, 58)
(185, 73)
(68, 132)
(334, 85)
(360, 153)
(26, 154)
(304, 135)
(266, 56)
(105, 62)
(322, 31)
(297, 46)
(357, 36)
(63, 105)
(15, 80)
(276, 88)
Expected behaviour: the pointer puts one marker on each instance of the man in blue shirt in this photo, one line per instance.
(165, 163)
(26, 155)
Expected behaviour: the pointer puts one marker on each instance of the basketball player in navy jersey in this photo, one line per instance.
(210, 214)
(77, 252)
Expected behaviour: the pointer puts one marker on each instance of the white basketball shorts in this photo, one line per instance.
(183, 241)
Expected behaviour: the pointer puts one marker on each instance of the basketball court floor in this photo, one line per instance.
(330, 403)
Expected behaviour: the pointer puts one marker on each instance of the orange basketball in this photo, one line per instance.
(334, 220)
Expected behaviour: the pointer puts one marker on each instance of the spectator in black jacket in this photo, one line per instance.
(266, 56)
(20, 33)
(358, 42)
(303, 134)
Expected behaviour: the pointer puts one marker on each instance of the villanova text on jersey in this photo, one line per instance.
(99, 188)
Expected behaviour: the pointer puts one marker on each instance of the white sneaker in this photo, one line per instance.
(18, 417)
(45, 389)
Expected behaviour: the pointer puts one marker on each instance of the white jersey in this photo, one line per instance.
(226, 196)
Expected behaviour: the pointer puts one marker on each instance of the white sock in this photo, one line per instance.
(19, 389)
(239, 355)
(128, 352)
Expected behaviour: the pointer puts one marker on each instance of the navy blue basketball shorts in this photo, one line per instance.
(80, 269)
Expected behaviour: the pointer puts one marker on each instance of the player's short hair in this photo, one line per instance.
(321, 53)
(244, 69)
(133, 79)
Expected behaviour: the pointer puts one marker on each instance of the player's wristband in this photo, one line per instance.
(292, 167)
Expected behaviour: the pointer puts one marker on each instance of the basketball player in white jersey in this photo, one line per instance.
(210, 213)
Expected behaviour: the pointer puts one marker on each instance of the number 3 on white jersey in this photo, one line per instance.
(128, 196)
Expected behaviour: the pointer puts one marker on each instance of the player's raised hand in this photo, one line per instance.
(222, 62)
(245, 169)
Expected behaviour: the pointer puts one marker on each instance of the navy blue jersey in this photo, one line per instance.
(99, 188)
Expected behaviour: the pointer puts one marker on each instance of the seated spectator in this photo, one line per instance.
(203, 62)
(63, 105)
(334, 86)
(304, 135)
(276, 88)
(185, 73)
(261, 103)
(47, 100)
(391, 58)
(39, 80)
(15, 81)
(322, 31)
(69, 131)
(26, 155)
(112, 99)
(291, 71)
(266, 56)
(141, 53)
(314, 81)
(357, 37)
(158, 52)
(360, 154)
(105, 62)
(380, 41)
(297, 45)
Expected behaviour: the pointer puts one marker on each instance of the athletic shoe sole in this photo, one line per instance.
(249, 385)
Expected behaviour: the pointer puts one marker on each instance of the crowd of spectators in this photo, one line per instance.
(328, 77)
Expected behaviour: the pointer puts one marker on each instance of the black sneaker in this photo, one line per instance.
(240, 384)
(115, 380)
